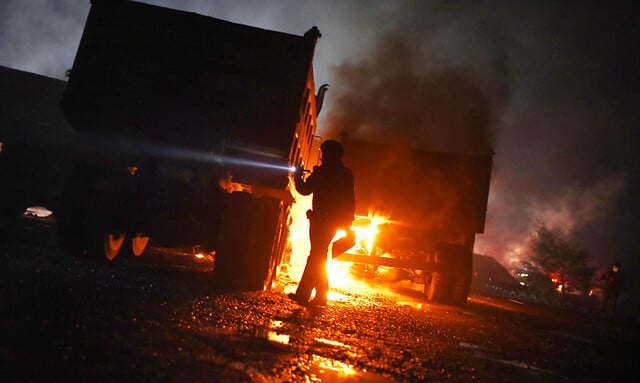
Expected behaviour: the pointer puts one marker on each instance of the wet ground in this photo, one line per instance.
(158, 318)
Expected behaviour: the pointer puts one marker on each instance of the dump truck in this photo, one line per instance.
(427, 207)
(186, 131)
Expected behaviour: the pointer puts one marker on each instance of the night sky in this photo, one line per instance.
(551, 87)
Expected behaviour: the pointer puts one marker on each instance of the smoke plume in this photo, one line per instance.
(408, 90)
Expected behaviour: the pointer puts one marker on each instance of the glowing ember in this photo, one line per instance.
(200, 254)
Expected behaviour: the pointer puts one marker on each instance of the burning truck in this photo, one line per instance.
(186, 129)
(420, 211)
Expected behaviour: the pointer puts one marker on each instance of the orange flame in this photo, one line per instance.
(366, 229)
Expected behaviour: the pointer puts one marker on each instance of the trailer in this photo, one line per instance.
(426, 206)
(186, 129)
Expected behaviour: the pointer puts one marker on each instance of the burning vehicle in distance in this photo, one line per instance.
(186, 129)
(425, 208)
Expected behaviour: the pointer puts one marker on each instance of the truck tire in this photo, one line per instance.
(74, 231)
(451, 283)
(85, 220)
(436, 287)
(249, 250)
(68, 229)
(437, 283)
(461, 277)
(77, 233)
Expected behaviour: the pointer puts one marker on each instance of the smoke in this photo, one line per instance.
(548, 87)
(413, 88)
(571, 209)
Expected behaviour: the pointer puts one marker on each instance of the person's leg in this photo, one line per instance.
(323, 233)
(303, 292)
(312, 274)
(315, 273)
(312, 277)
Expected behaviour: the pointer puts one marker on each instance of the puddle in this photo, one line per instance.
(329, 342)
(272, 335)
(325, 369)
(481, 352)
(333, 371)
(414, 304)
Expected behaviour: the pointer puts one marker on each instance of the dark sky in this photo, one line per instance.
(550, 86)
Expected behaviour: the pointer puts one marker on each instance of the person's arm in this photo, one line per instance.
(304, 187)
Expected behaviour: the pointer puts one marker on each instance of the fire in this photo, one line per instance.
(366, 229)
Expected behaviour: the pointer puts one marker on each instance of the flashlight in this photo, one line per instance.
(301, 170)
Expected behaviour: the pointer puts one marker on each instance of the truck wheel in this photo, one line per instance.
(436, 287)
(436, 283)
(244, 258)
(76, 228)
(451, 283)
(112, 244)
(461, 275)
(71, 222)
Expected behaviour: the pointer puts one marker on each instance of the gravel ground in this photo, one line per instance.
(158, 318)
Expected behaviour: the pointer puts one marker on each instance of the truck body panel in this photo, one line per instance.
(193, 82)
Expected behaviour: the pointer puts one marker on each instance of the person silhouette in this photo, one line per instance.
(611, 287)
(333, 206)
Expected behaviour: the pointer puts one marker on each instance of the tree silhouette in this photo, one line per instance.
(555, 255)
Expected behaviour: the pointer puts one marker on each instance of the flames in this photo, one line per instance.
(366, 229)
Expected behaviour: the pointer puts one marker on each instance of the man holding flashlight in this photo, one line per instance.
(333, 208)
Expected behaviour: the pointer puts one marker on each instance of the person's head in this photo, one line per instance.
(332, 151)
(616, 267)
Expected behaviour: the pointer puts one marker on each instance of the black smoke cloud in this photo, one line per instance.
(407, 90)
(549, 87)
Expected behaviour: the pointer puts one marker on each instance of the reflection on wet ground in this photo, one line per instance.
(333, 371)
(273, 335)
(323, 369)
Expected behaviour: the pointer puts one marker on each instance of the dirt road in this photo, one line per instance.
(158, 318)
